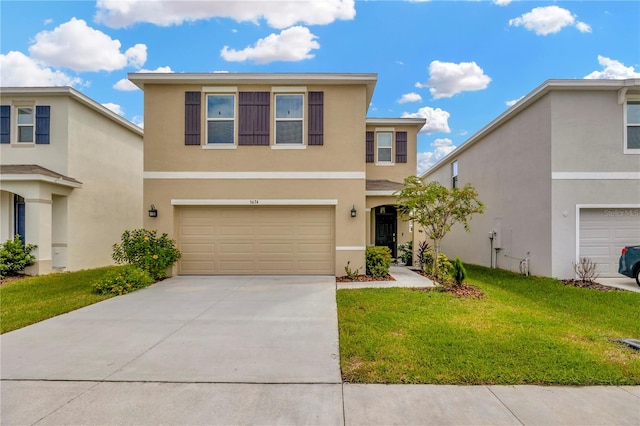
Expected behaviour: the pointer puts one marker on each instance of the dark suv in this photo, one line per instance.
(630, 262)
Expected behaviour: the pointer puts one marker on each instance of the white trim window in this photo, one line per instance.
(26, 121)
(384, 147)
(221, 119)
(632, 131)
(289, 119)
(454, 174)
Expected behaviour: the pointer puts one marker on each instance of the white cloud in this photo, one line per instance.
(548, 20)
(125, 85)
(17, 69)
(410, 97)
(114, 107)
(448, 79)
(280, 14)
(79, 47)
(437, 120)
(428, 159)
(513, 101)
(502, 2)
(613, 70)
(292, 44)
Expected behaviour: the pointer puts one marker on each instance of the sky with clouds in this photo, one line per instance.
(459, 64)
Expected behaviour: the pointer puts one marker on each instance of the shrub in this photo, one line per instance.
(15, 256)
(459, 273)
(586, 269)
(147, 251)
(351, 274)
(423, 247)
(378, 260)
(406, 253)
(123, 281)
(444, 265)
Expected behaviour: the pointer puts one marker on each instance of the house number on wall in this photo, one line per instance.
(254, 202)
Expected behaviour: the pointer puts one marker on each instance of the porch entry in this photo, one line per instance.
(386, 220)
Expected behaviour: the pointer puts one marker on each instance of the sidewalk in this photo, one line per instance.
(404, 277)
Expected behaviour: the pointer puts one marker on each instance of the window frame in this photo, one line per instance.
(454, 174)
(19, 125)
(277, 119)
(233, 119)
(634, 100)
(391, 133)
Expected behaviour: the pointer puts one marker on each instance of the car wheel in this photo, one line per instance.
(638, 276)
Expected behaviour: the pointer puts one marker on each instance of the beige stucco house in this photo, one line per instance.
(70, 176)
(272, 173)
(559, 173)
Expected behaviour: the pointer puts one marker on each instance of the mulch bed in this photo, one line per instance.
(590, 284)
(461, 291)
(7, 280)
(364, 278)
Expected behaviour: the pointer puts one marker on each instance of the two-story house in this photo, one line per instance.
(272, 173)
(559, 173)
(70, 176)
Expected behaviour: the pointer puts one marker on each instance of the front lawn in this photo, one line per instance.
(33, 299)
(525, 330)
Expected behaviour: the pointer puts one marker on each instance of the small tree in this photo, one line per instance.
(15, 256)
(459, 273)
(435, 208)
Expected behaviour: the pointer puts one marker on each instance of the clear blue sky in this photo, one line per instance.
(457, 63)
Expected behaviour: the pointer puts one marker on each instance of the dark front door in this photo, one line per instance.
(19, 217)
(386, 227)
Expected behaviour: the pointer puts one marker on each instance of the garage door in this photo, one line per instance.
(256, 240)
(603, 233)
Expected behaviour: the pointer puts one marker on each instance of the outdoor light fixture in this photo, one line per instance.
(353, 211)
(153, 212)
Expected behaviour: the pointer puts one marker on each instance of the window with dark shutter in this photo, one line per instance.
(253, 118)
(5, 123)
(43, 114)
(370, 147)
(192, 101)
(401, 147)
(316, 118)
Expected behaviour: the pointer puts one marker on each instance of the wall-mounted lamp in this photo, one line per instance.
(153, 212)
(353, 211)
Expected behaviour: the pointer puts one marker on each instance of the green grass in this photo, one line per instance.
(33, 299)
(526, 330)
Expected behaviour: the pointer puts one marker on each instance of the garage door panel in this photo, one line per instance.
(256, 239)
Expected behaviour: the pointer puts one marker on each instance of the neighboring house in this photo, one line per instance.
(559, 173)
(70, 176)
(272, 173)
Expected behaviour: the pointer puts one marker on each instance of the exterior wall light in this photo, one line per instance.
(153, 212)
(353, 211)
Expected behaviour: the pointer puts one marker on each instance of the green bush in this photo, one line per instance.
(15, 256)
(378, 260)
(124, 280)
(147, 251)
(406, 253)
(459, 273)
(445, 268)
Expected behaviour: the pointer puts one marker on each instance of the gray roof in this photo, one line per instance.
(33, 169)
(382, 185)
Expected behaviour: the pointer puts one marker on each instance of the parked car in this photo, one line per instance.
(629, 264)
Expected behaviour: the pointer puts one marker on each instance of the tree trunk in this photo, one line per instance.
(436, 255)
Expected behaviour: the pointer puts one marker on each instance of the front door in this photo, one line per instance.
(386, 227)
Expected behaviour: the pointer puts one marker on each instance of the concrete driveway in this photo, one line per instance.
(182, 342)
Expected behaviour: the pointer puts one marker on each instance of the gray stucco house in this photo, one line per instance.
(559, 173)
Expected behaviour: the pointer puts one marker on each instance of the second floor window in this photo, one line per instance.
(385, 140)
(454, 174)
(633, 126)
(26, 124)
(289, 119)
(221, 119)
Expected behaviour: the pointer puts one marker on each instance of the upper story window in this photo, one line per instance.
(289, 119)
(632, 143)
(454, 174)
(384, 147)
(221, 119)
(26, 124)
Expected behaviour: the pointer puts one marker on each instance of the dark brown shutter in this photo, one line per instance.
(43, 116)
(5, 123)
(401, 147)
(192, 107)
(369, 147)
(316, 118)
(253, 118)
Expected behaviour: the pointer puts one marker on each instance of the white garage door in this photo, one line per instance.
(603, 233)
(256, 240)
